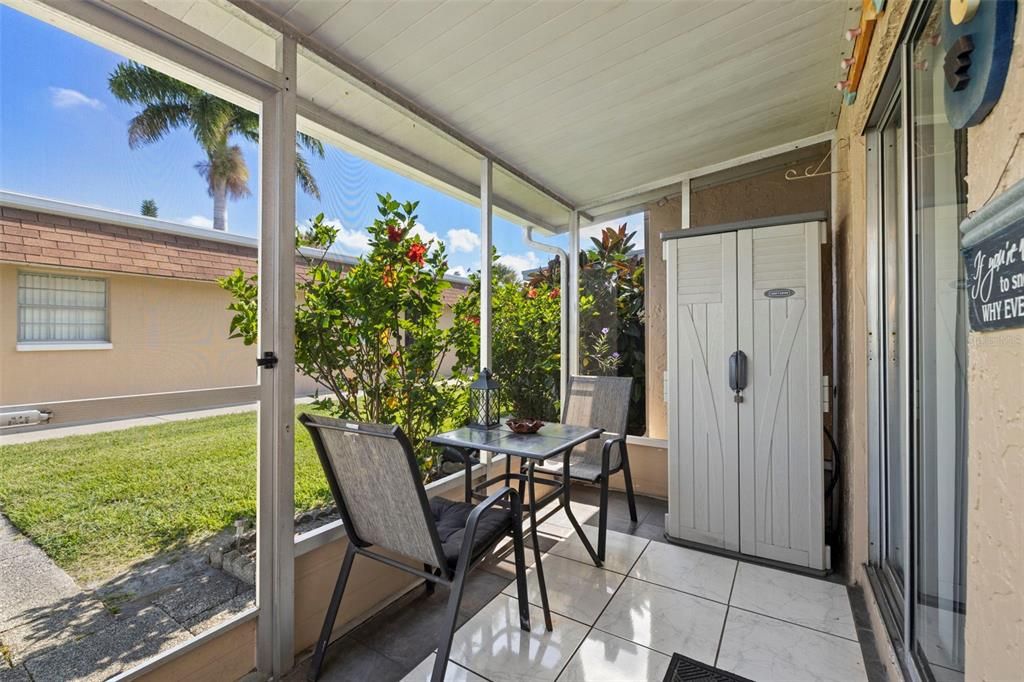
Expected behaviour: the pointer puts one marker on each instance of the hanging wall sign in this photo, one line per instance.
(995, 279)
(977, 39)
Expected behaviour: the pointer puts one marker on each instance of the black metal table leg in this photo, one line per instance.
(469, 474)
(536, 548)
(566, 485)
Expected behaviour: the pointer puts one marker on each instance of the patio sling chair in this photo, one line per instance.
(600, 402)
(376, 484)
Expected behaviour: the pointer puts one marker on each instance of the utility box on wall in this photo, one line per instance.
(745, 388)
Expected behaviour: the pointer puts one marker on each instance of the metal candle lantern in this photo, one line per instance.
(484, 401)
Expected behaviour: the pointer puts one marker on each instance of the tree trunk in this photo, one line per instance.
(220, 205)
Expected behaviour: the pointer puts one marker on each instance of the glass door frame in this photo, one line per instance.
(896, 599)
(893, 106)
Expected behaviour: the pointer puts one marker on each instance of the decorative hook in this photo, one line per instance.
(816, 171)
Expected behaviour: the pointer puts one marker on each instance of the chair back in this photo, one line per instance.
(376, 484)
(600, 402)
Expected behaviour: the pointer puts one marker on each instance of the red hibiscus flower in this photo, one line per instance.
(475, 320)
(532, 293)
(554, 293)
(416, 252)
(395, 233)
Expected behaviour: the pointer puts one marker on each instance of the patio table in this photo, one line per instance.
(553, 440)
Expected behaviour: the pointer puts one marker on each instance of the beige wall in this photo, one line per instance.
(662, 217)
(764, 195)
(167, 335)
(995, 464)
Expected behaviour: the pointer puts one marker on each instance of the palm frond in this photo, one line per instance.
(310, 143)
(211, 119)
(133, 83)
(226, 164)
(155, 121)
(305, 176)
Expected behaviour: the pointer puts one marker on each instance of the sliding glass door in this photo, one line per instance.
(893, 337)
(918, 533)
(939, 200)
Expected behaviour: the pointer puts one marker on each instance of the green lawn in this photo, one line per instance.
(98, 503)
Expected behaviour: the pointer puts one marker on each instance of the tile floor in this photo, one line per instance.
(618, 623)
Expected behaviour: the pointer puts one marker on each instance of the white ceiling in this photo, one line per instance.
(587, 97)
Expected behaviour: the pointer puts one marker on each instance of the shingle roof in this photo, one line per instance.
(65, 235)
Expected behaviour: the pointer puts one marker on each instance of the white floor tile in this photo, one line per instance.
(765, 649)
(621, 550)
(576, 590)
(453, 673)
(665, 620)
(492, 645)
(582, 512)
(796, 598)
(688, 570)
(606, 658)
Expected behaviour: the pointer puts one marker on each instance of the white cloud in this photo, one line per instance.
(520, 262)
(351, 242)
(461, 239)
(66, 98)
(425, 234)
(196, 221)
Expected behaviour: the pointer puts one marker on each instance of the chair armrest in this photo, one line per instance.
(474, 518)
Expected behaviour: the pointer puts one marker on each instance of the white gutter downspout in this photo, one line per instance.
(574, 287)
(563, 280)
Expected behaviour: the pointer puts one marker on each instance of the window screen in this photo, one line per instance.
(61, 308)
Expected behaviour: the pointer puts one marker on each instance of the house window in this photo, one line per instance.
(61, 309)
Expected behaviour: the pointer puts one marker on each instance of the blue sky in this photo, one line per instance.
(64, 136)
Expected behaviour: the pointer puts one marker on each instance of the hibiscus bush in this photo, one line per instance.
(371, 335)
(525, 346)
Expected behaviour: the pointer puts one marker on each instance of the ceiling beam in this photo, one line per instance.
(392, 97)
(320, 123)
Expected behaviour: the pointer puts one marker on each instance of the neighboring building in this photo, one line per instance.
(97, 304)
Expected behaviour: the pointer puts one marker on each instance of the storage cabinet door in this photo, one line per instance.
(703, 502)
(780, 428)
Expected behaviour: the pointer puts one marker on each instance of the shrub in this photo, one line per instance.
(524, 341)
(371, 336)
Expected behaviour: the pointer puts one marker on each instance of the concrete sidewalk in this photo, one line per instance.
(53, 629)
(119, 424)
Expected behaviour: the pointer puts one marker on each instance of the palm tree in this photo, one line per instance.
(169, 103)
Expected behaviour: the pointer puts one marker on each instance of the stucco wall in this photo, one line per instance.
(763, 195)
(662, 217)
(167, 335)
(849, 233)
(995, 464)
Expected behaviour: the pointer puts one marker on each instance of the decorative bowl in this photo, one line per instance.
(524, 424)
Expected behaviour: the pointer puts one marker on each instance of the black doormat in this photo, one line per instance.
(683, 669)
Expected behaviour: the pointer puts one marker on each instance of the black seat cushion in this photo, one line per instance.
(451, 517)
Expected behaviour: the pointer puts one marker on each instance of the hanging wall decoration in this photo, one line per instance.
(977, 38)
(869, 13)
(993, 251)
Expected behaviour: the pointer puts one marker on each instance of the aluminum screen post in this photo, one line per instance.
(486, 244)
(275, 506)
(574, 292)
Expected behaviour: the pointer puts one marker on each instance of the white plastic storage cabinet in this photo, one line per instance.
(745, 452)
